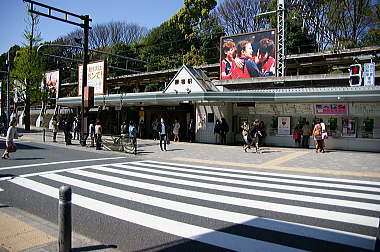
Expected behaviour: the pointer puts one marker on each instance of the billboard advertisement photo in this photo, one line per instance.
(248, 55)
(51, 83)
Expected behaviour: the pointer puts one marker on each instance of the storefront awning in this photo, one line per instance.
(330, 94)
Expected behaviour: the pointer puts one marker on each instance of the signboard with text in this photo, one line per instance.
(96, 77)
(331, 109)
(369, 74)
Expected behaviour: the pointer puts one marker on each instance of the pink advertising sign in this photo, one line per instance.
(331, 109)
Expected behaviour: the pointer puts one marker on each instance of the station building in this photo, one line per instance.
(307, 93)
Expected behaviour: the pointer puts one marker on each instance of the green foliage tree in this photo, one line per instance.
(183, 37)
(28, 73)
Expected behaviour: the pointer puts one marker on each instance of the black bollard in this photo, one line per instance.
(64, 219)
(43, 136)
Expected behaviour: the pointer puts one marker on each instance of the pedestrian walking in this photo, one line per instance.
(223, 131)
(297, 135)
(246, 137)
(54, 125)
(123, 129)
(154, 129)
(176, 127)
(76, 128)
(91, 132)
(324, 134)
(254, 134)
(11, 135)
(263, 133)
(67, 131)
(217, 129)
(133, 135)
(306, 132)
(191, 131)
(142, 129)
(163, 130)
(317, 134)
(98, 135)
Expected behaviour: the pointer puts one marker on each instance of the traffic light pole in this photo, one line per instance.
(84, 134)
(86, 22)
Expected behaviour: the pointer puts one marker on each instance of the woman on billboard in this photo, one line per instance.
(246, 66)
(228, 62)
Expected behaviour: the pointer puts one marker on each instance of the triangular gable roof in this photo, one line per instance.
(189, 79)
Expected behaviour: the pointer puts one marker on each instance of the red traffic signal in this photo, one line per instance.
(355, 75)
(354, 70)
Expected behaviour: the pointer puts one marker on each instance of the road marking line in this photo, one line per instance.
(205, 235)
(314, 232)
(249, 172)
(295, 210)
(282, 168)
(278, 161)
(271, 179)
(59, 162)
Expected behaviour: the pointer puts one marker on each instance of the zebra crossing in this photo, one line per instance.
(238, 210)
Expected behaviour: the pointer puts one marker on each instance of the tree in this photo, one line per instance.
(239, 16)
(27, 69)
(28, 77)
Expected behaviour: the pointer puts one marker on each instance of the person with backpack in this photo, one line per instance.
(317, 134)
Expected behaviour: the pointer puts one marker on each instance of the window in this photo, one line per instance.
(189, 81)
(183, 81)
(176, 82)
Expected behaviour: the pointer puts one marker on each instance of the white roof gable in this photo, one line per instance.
(189, 80)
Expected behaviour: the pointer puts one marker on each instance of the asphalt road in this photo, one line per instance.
(150, 205)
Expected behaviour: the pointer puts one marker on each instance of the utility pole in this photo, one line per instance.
(86, 21)
(281, 57)
(8, 84)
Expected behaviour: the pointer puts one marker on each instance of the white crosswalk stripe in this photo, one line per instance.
(336, 211)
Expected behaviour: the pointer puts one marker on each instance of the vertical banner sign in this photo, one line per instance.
(369, 74)
(51, 83)
(95, 77)
(283, 125)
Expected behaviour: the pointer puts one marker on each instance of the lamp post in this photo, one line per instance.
(86, 21)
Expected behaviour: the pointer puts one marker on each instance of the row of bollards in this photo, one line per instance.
(64, 219)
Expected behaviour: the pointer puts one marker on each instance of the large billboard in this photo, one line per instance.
(51, 83)
(96, 77)
(248, 55)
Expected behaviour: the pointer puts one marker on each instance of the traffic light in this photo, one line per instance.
(355, 75)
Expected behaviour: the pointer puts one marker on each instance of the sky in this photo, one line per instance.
(148, 13)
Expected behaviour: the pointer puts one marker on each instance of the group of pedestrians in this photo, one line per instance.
(174, 131)
(253, 135)
(319, 134)
(221, 129)
(301, 135)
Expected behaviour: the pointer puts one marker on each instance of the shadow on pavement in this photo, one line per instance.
(92, 248)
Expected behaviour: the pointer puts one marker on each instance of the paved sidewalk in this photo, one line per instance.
(42, 235)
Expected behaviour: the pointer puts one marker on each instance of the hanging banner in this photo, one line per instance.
(96, 77)
(283, 125)
(331, 109)
(51, 83)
